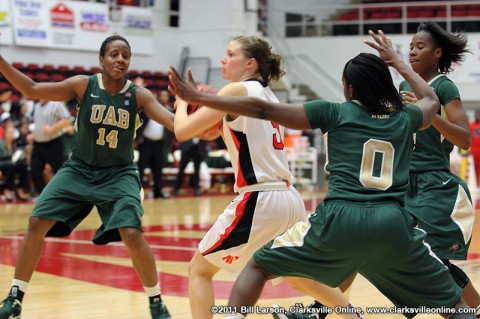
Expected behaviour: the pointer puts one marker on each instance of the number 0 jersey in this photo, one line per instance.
(106, 124)
(256, 146)
(368, 155)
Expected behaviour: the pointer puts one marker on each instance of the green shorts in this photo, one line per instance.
(377, 240)
(77, 187)
(442, 205)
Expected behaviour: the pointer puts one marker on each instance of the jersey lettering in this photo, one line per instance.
(277, 137)
(110, 117)
(121, 120)
(97, 113)
(111, 138)
(371, 148)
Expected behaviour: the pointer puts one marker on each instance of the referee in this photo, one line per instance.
(50, 120)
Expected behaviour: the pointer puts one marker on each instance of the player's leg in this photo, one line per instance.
(27, 260)
(469, 293)
(446, 213)
(123, 222)
(408, 271)
(144, 264)
(50, 208)
(200, 286)
(248, 286)
(325, 297)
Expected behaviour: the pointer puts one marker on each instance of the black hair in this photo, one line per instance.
(372, 83)
(112, 38)
(454, 45)
(269, 63)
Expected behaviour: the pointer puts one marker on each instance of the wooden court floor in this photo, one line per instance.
(76, 279)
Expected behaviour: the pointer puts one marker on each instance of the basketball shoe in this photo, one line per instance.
(158, 310)
(10, 308)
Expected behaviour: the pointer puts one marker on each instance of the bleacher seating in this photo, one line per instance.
(154, 80)
(374, 14)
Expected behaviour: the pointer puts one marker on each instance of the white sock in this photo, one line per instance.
(153, 291)
(234, 316)
(22, 285)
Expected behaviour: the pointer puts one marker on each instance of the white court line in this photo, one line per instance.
(88, 242)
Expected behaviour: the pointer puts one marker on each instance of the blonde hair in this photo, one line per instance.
(269, 63)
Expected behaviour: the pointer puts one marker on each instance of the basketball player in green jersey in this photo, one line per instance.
(440, 200)
(101, 160)
(361, 226)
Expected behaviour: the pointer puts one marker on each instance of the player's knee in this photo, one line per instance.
(255, 267)
(200, 266)
(458, 274)
(131, 236)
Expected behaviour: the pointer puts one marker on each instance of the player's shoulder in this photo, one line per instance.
(234, 89)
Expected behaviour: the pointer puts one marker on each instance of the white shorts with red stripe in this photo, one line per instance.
(250, 221)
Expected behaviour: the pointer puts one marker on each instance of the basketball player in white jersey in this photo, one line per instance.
(267, 204)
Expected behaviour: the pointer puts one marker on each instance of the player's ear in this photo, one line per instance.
(252, 63)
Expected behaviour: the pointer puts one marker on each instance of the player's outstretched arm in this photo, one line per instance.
(288, 115)
(427, 99)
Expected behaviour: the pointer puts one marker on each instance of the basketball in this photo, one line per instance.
(205, 88)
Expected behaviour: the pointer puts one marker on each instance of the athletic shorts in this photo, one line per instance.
(441, 203)
(248, 223)
(377, 240)
(77, 187)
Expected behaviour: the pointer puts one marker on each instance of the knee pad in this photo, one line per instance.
(458, 275)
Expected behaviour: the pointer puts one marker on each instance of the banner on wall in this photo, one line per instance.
(137, 25)
(6, 28)
(30, 23)
(77, 25)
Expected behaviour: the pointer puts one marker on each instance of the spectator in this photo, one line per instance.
(192, 150)
(151, 147)
(168, 136)
(22, 139)
(5, 104)
(12, 164)
(50, 120)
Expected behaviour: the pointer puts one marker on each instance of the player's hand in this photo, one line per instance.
(186, 90)
(179, 104)
(384, 46)
(408, 97)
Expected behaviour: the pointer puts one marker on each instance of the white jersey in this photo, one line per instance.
(256, 146)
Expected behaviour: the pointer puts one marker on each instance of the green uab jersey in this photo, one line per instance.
(432, 151)
(106, 125)
(368, 154)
